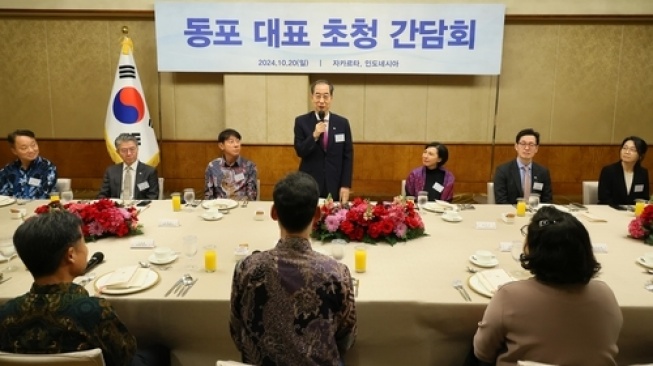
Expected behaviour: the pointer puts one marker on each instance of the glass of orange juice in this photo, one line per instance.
(521, 207)
(210, 258)
(639, 207)
(176, 201)
(360, 259)
(54, 196)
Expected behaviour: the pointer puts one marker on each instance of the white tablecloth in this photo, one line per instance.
(407, 309)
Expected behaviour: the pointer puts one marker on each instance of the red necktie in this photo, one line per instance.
(527, 182)
(325, 137)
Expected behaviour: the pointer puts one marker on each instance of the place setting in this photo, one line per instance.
(486, 280)
(162, 256)
(6, 200)
(126, 280)
(645, 260)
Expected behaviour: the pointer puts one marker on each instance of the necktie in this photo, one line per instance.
(325, 138)
(127, 184)
(527, 182)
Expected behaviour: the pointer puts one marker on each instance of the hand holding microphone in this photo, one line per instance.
(321, 126)
(96, 259)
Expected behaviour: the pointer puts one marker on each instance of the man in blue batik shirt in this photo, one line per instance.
(29, 176)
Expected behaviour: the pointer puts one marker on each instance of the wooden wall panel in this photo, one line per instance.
(378, 167)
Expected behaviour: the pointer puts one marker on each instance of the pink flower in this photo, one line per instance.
(332, 223)
(636, 228)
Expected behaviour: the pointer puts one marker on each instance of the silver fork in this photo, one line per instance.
(458, 285)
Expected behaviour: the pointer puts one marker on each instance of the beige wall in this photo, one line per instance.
(582, 82)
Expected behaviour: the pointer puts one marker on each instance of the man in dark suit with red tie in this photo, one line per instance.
(323, 142)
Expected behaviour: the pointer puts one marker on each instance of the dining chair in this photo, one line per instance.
(161, 181)
(590, 192)
(91, 357)
(258, 189)
(403, 188)
(64, 184)
(490, 193)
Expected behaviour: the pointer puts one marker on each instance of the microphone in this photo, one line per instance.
(321, 115)
(96, 259)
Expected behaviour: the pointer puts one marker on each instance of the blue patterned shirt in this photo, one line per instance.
(36, 182)
(236, 181)
(64, 318)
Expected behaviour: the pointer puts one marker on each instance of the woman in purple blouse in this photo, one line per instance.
(432, 177)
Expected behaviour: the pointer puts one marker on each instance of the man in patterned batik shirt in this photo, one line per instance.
(291, 305)
(56, 315)
(29, 176)
(230, 176)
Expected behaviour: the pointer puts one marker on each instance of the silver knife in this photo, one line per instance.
(179, 281)
(185, 291)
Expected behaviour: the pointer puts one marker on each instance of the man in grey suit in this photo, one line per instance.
(130, 179)
(510, 177)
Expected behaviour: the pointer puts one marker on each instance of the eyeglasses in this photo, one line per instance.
(541, 223)
(629, 149)
(128, 150)
(527, 144)
(524, 230)
(321, 96)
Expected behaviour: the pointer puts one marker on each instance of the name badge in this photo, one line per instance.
(340, 137)
(538, 186)
(143, 186)
(438, 187)
(238, 177)
(34, 182)
(639, 188)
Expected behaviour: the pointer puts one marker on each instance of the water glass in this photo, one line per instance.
(189, 197)
(533, 202)
(338, 248)
(190, 249)
(66, 197)
(422, 198)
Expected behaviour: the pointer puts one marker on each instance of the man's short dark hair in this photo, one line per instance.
(295, 199)
(322, 81)
(228, 133)
(528, 132)
(443, 152)
(42, 241)
(11, 138)
(124, 137)
(559, 249)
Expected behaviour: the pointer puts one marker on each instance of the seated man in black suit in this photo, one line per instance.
(130, 179)
(522, 176)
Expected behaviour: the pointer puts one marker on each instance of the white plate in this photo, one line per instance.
(475, 284)
(153, 259)
(433, 207)
(6, 200)
(212, 217)
(459, 219)
(644, 263)
(151, 280)
(489, 264)
(216, 203)
(444, 203)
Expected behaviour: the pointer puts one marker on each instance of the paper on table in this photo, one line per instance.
(169, 223)
(494, 278)
(127, 277)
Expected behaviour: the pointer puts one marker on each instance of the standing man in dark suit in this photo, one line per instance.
(323, 142)
(522, 176)
(130, 179)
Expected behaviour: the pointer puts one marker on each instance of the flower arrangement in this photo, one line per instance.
(100, 218)
(360, 220)
(642, 227)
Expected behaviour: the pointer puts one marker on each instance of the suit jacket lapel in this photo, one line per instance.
(516, 177)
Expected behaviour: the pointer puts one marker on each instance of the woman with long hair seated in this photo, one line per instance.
(560, 316)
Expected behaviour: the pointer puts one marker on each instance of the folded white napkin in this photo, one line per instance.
(593, 218)
(127, 277)
(492, 279)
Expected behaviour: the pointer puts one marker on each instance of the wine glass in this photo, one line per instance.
(189, 197)
(422, 198)
(190, 249)
(8, 251)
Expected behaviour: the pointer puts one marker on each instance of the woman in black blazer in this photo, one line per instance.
(625, 181)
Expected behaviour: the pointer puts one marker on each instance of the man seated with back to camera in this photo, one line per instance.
(291, 305)
(57, 315)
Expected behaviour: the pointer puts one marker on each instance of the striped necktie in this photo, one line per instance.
(527, 182)
(127, 184)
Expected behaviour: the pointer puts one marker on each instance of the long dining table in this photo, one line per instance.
(408, 311)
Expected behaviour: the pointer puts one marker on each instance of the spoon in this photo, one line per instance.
(186, 281)
(471, 270)
(144, 264)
